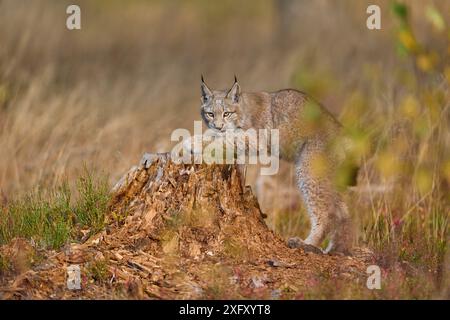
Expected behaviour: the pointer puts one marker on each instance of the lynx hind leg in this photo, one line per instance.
(327, 212)
(296, 242)
(341, 237)
(320, 207)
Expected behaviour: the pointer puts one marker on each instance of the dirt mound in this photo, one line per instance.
(180, 231)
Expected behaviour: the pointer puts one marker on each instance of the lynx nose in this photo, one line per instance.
(218, 125)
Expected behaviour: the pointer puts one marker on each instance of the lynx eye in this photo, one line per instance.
(227, 114)
(210, 114)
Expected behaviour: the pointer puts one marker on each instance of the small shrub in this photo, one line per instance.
(98, 270)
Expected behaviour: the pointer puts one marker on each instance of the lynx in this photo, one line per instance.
(307, 134)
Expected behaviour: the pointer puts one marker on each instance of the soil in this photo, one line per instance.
(176, 231)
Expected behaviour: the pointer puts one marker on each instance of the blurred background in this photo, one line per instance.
(119, 86)
(102, 96)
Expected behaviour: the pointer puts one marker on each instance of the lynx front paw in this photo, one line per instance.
(296, 242)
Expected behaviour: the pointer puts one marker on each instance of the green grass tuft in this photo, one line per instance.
(92, 203)
(4, 264)
(42, 217)
(50, 218)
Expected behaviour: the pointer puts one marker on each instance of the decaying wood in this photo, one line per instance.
(176, 231)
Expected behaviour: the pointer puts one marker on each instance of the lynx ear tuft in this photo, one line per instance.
(235, 91)
(205, 91)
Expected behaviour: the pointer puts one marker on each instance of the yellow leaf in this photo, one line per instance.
(435, 18)
(410, 107)
(426, 62)
(408, 40)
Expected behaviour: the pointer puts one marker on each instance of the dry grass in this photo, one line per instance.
(104, 95)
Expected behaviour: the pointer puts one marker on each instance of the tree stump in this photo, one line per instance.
(191, 210)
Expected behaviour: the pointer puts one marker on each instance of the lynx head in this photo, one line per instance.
(221, 110)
